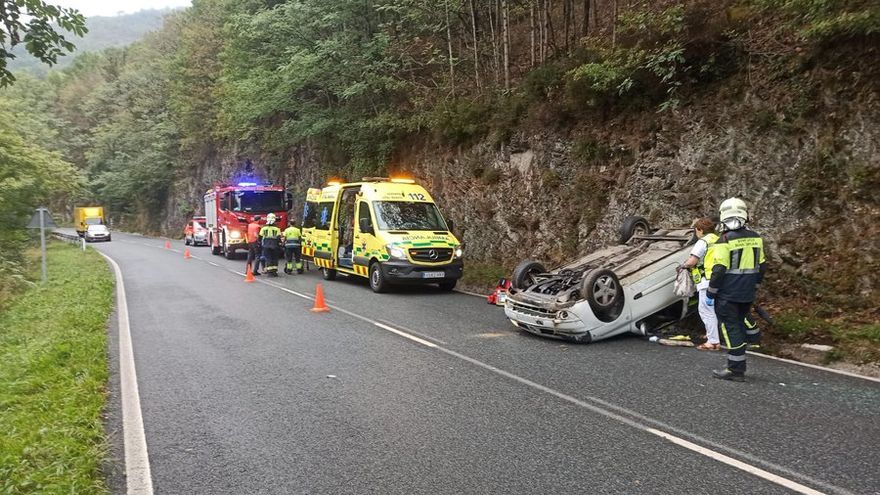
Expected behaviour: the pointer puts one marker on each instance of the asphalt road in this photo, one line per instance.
(245, 391)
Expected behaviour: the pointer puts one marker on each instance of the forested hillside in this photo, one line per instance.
(538, 124)
(103, 33)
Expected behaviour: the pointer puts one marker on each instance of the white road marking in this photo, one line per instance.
(137, 460)
(815, 366)
(405, 335)
(779, 480)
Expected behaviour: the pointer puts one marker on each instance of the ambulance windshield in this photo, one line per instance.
(403, 215)
(258, 201)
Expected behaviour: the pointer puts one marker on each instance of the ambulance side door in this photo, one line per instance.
(323, 234)
(366, 244)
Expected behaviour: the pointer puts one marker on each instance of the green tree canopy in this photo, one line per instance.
(31, 22)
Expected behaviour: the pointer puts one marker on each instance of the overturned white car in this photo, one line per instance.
(619, 289)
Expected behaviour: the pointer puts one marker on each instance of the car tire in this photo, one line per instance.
(377, 279)
(601, 288)
(523, 275)
(633, 226)
(448, 285)
(328, 273)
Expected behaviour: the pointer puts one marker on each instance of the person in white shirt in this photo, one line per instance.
(700, 264)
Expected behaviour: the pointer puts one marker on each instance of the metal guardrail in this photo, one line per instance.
(71, 238)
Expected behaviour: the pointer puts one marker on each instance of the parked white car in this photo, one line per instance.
(619, 289)
(97, 233)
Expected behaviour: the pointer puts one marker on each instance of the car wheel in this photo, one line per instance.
(377, 278)
(448, 285)
(525, 272)
(632, 226)
(328, 273)
(108, 238)
(602, 289)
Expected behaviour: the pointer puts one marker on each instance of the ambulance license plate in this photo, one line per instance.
(433, 274)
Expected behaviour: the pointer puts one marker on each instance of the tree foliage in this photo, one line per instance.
(30, 22)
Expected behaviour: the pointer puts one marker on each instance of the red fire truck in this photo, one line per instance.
(230, 208)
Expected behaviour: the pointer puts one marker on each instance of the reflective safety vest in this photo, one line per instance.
(292, 236)
(704, 267)
(270, 235)
(739, 264)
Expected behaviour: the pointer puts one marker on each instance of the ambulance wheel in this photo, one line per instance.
(377, 279)
(328, 273)
(448, 285)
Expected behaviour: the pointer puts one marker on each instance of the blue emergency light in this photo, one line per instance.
(246, 184)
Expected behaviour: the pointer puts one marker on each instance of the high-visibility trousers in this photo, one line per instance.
(292, 254)
(731, 320)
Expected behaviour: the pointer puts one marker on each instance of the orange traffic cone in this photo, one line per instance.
(249, 276)
(186, 254)
(167, 244)
(320, 305)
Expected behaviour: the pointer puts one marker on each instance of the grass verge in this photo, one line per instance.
(53, 373)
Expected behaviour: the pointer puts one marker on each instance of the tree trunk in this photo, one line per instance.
(585, 26)
(505, 20)
(566, 18)
(551, 36)
(532, 32)
(477, 79)
(493, 21)
(614, 23)
(449, 47)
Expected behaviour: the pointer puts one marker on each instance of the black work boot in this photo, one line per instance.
(726, 374)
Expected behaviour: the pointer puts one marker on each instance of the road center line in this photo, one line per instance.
(137, 461)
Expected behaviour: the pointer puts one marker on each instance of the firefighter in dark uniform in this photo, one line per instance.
(736, 274)
(292, 249)
(270, 237)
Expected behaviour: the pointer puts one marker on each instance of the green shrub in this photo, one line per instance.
(461, 121)
(542, 82)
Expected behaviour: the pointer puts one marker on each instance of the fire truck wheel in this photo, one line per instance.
(229, 253)
(215, 250)
(377, 279)
(328, 273)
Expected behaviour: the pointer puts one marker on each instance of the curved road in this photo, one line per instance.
(245, 391)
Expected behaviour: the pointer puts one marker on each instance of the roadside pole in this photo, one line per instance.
(43, 242)
(42, 220)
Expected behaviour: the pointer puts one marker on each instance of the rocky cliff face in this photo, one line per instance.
(810, 174)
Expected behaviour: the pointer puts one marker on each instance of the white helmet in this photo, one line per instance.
(733, 208)
(270, 218)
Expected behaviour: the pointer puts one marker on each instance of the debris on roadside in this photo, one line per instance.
(499, 296)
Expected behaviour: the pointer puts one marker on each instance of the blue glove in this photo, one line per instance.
(710, 301)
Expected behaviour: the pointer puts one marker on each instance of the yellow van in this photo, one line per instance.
(387, 230)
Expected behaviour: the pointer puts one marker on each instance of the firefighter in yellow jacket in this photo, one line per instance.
(738, 269)
(270, 238)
